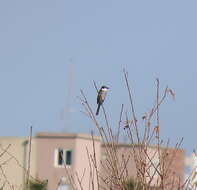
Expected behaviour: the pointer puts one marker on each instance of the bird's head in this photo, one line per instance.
(105, 88)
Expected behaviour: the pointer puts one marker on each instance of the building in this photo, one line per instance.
(14, 161)
(148, 161)
(68, 161)
(73, 147)
(191, 175)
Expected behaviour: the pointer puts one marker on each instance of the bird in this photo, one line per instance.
(101, 97)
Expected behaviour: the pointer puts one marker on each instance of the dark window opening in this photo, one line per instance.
(68, 157)
(60, 157)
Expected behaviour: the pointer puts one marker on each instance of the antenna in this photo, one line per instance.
(70, 83)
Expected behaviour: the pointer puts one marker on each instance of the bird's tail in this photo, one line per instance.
(98, 108)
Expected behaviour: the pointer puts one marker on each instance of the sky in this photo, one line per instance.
(50, 49)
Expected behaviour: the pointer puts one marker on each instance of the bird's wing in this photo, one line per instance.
(99, 97)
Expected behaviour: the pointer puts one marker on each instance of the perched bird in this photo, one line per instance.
(101, 97)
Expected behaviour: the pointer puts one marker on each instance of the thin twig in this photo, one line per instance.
(119, 123)
(132, 106)
(29, 157)
(95, 160)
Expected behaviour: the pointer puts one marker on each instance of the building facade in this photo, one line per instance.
(71, 161)
(14, 161)
(60, 155)
(152, 163)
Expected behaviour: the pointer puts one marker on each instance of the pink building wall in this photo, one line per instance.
(47, 144)
(172, 161)
(43, 164)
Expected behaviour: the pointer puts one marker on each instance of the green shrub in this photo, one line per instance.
(131, 184)
(38, 185)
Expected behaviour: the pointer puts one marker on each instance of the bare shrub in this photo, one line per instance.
(144, 148)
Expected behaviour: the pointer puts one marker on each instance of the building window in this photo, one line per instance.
(63, 157)
(68, 157)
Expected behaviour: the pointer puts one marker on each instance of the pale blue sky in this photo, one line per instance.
(42, 41)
